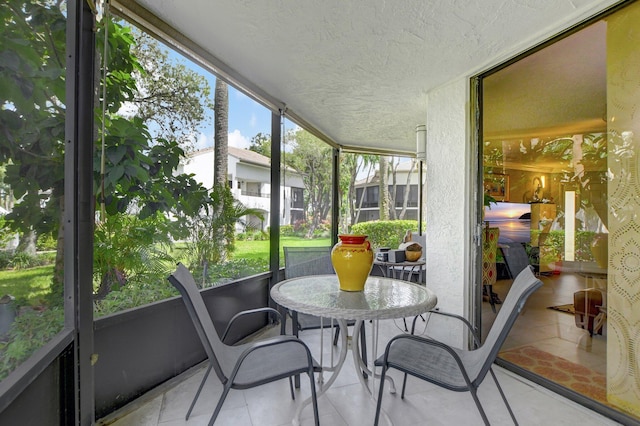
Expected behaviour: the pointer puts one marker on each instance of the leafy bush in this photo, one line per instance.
(27, 334)
(127, 248)
(255, 235)
(321, 233)
(134, 294)
(300, 228)
(137, 292)
(6, 233)
(5, 259)
(287, 231)
(258, 235)
(385, 233)
(47, 258)
(323, 230)
(46, 242)
(23, 260)
(231, 270)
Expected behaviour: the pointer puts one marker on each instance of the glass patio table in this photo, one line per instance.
(382, 298)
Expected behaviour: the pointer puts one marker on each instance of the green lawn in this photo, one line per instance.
(30, 285)
(260, 249)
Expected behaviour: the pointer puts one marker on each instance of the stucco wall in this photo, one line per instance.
(447, 214)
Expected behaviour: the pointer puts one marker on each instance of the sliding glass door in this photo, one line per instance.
(559, 150)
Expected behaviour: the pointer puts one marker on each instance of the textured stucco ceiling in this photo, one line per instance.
(359, 71)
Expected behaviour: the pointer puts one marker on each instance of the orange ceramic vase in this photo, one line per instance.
(352, 258)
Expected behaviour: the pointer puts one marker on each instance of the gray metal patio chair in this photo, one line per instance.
(247, 365)
(302, 261)
(452, 368)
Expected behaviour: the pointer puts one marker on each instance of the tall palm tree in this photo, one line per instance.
(221, 127)
(384, 188)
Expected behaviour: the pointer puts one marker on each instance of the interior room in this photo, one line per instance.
(545, 142)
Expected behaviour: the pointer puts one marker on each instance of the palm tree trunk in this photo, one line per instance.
(221, 127)
(384, 188)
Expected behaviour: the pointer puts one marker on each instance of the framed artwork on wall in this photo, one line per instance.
(497, 185)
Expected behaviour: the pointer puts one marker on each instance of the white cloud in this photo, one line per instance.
(127, 109)
(237, 140)
(203, 142)
(253, 121)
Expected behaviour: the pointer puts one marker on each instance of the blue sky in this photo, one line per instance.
(246, 116)
(246, 119)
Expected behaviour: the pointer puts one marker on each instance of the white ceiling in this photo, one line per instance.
(357, 71)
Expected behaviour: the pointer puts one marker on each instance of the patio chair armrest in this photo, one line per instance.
(250, 312)
(476, 339)
(277, 340)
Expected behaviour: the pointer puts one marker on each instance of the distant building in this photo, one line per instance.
(369, 206)
(249, 180)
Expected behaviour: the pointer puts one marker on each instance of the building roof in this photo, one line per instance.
(244, 155)
(247, 156)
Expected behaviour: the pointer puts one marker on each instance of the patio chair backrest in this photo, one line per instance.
(182, 280)
(302, 261)
(515, 257)
(523, 286)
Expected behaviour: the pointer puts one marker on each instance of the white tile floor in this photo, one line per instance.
(347, 403)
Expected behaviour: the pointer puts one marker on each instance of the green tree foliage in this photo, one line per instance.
(312, 159)
(212, 232)
(32, 93)
(171, 99)
(261, 143)
(138, 176)
(127, 247)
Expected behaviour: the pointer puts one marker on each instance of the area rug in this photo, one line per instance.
(568, 308)
(559, 370)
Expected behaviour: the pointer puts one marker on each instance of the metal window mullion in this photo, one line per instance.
(79, 207)
(274, 237)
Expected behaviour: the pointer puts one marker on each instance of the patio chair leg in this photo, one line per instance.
(504, 398)
(380, 393)
(293, 396)
(404, 385)
(283, 323)
(480, 409)
(225, 392)
(195, 398)
(295, 329)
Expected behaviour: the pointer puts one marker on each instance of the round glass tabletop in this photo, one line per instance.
(382, 298)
